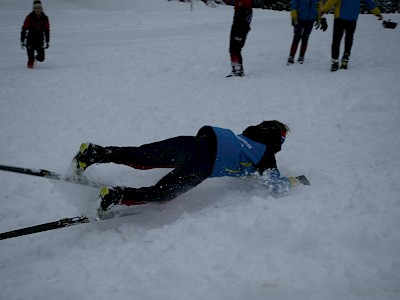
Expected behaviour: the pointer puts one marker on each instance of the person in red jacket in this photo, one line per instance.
(240, 29)
(35, 31)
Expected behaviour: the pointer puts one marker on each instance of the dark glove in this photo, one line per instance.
(294, 23)
(47, 46)
(323, 24)
(22, 45)
(389, 24)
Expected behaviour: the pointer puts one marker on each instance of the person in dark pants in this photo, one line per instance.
(35, 30)
(239, 30)
(304, 13)
(213, 152)
(346, 15)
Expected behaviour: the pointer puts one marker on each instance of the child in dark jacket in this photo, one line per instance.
(239, 30)
(35, 31)
(213, 152)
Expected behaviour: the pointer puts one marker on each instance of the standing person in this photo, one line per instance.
(239, 30)
(303, 14)
(35, 30)
(213, 152)
(346, 15)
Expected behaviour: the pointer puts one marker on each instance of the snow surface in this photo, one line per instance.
(131, 72)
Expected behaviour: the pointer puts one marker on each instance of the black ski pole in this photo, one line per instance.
(50, 175)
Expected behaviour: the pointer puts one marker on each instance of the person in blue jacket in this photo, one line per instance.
(304, 13)
(213, 152)
(346, 15)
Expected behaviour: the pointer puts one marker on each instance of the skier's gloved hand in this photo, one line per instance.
(47, 46)
(22, 45)
(275, 183)
(294, 23)
(323, 24)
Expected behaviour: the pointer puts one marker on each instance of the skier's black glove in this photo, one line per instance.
(22, 45)
(47, 46)
(323, 24)
(389, 24)
(294, 23)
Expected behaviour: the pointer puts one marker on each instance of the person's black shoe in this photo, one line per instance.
(290, 60)
(335, 65)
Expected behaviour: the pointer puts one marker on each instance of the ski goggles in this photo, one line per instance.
(283, 137)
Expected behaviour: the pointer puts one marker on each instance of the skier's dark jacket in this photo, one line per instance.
(243, 154)
(243, 15)
(38, 28)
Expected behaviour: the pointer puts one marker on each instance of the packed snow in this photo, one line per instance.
(132, 72)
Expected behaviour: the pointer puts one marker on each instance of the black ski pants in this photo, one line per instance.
(190, 157)
(31, 49)
(343, 27)
(301, 32)
(239, 30)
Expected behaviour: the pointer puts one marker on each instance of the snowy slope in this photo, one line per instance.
(131, 72)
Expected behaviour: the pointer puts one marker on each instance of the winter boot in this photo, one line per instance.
(30, 64)
(345, 61)
(237, 71)
(87, 155)
(290, 60)
(300, 60)
(110, 196)
(335, 65)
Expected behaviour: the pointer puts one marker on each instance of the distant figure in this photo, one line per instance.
(346, 15)
(304, 13)
(240, 29)
(35, 31)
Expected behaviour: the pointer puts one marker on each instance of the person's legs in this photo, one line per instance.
(168, 153)
(238, 37)
(297, 32)
(338, 31)
(348, 43)
(194, 165)
(31, 56)
(40, 54)
(308, 25)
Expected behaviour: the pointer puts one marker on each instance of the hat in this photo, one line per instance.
(37, 4)
(270, 133)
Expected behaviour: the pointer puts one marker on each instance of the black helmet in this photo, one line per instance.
(270, 133)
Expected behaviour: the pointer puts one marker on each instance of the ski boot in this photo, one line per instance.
(237, 71)
(344, 65)
(290, 60)
(87, 155)
(300, 60)
(110, 196)
(335, 65)
(345, 61)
